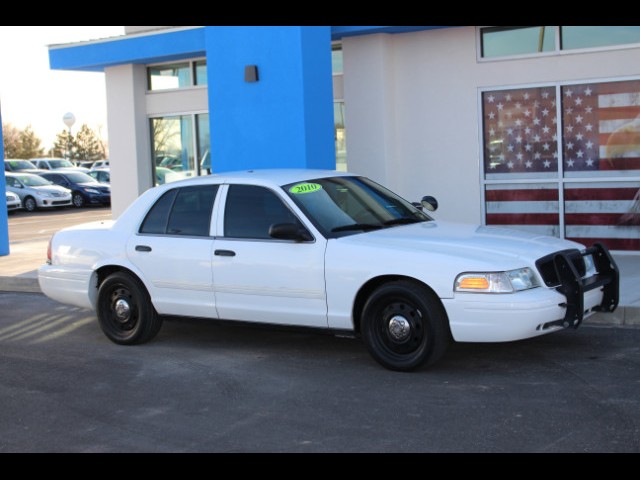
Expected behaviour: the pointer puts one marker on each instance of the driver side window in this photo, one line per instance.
(250, 210)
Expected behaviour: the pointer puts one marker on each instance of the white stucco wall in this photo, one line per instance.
(412, 114)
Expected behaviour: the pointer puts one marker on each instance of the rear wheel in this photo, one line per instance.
(125, 312)
(404, 326)
(30, 204)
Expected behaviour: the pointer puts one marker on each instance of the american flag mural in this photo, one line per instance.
(600, 140)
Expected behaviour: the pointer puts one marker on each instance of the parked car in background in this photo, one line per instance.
(56, 164)
(19, 165)
(84, 164)
(102, 175)
(327, 250)
(13, 202)
(100, 164)
(36, 192)
(85, 190)
(161, 175)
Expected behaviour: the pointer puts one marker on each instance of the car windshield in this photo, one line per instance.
(341, 206)
(60, 164)
(80, 177)
(33, 181)
(20, 164)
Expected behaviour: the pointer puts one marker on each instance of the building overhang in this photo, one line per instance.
(167, 45)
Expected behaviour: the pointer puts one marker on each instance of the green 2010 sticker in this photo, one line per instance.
(305, 188)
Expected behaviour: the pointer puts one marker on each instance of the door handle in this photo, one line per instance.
(225, 253)
(143, 248)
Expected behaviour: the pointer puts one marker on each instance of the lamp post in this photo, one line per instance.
(69, 119)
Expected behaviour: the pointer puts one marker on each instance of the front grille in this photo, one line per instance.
(61, 202)
(548, 270)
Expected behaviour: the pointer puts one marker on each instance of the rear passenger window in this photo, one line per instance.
(182, 211)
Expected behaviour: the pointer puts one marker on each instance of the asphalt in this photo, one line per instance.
(19, 273)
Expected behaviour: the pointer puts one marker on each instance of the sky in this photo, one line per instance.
(33, 94)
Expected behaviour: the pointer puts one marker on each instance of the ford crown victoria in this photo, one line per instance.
(328, 250)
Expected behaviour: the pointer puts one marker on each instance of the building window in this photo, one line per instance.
(503, 41)
(200, 72)
(336, 59)
(340, 136)
(591, 37)
(177, 75)
(175, 140)
(576, 175)
(498, 42)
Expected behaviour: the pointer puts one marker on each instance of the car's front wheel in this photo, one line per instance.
(77, 199)
(125, 312)
(30, 204)
(404, 326)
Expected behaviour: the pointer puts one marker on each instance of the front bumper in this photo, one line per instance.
(475, 317)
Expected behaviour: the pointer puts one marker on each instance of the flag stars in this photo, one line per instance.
(579, 119)
(536, 121)
(520, 156)
(579, 136)
(569, 145)
(518, 122)
(588, 127)
(546, 129)
(579, 154)
(492, 131)
(569, 128)
(491, 98)
(545, 94)
(545, 112)
(519, 139)
(568, 92)
(527, 131)
(492, 115)
(546, 147)
(555, 155)
(589, 162)
(536, 138)
(500, 106)
(568, 110)
(518, 105)
(528, 147)
(537, 156)
(578, 101)
(509, 131)
(570, 163)
(527, 113)
(526, 96)
(589, 145)
(510, 164)
(547, 164)
(588, 109)
(510, 148)
(528, 164)
(588, 91)
(555, 137)
(508, 97)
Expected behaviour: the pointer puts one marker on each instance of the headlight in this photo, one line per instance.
(91, 190)
(496, 282)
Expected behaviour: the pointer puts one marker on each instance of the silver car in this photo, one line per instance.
(36, 192)
(13, 202)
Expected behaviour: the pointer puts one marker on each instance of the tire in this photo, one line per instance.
(77, 200)
(404, 326)
(125, 312)
(30, 204)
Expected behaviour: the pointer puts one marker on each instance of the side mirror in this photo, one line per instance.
(418, 205)
(429, 203)
(289, 231)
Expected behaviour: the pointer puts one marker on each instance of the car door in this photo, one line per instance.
(173, 250)
(258, 278)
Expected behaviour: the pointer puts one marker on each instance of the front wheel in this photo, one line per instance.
(125, 312)
(404, 326)
(77, 199)
(30, 204)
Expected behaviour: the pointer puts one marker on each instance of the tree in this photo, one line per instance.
(21, 143)
(86, 145)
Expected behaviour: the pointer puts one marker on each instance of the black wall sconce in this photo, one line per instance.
(251, 73)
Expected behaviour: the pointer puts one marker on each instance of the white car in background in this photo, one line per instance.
(326, 250)
(100, 164)
(36, 192)
(13, 202)
(56, 164)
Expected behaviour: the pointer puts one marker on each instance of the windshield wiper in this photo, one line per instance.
(356, 226)
(402, 221)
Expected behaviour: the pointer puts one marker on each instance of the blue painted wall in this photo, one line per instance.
(286, 118)
(4, 225)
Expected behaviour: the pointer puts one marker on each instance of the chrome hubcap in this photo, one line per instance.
(399, 328)
(122, 309)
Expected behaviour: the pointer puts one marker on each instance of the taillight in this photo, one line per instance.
(49, 251)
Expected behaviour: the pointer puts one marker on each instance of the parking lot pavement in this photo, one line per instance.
(201, 386)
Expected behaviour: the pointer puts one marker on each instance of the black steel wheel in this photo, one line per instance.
(404, 326)
(30, 204)
(77, 199)
(125, 312)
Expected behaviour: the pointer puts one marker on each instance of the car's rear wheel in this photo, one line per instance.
(77, 199)
(30, 204)
(404, 326)
(125, 312)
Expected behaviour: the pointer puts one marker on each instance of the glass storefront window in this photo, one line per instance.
(503, 41)
(590, 37)
(336, 59)
(200, 72)
(340, 136)
(520, 133)
(530, 207)
(173, 148)
(164, 77)
(204, 143)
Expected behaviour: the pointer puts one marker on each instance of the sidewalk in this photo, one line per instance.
(18, 273)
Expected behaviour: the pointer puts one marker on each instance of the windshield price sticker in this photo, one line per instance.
(305, 188)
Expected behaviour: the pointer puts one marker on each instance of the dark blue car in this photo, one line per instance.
(85, 189)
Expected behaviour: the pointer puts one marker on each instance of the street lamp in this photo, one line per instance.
(69, 119)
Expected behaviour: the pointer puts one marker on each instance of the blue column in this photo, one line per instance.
(4, 220)
(285, 119)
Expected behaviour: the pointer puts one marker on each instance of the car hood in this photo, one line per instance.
(472, 244)
(51, 189)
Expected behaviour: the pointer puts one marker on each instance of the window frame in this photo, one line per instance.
(192, 76)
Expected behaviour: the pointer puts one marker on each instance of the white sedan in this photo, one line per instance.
(326, 250)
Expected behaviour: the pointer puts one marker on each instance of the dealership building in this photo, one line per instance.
(536, 128)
